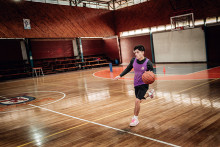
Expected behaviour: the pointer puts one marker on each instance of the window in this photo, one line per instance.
(210, 20)
(52, 1)
(145, 30)
(153, 29)
(136, 1)
(199, 22)
(42, 1)
(168, 27)
(161, 28)
(62, 2)
(138, 31)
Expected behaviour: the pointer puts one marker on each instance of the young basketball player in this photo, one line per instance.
(140, 65)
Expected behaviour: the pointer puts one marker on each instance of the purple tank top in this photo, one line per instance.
(139, 69)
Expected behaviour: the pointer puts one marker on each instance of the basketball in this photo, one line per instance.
(148, 77)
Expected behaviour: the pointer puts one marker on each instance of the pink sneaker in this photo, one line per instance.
(151, 93)
(134, 122)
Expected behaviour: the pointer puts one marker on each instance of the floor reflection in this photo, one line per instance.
(97, 96)
(188, 99)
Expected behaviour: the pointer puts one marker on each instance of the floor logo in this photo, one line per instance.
(16, 100)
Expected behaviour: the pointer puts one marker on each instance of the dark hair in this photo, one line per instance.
(139, 47)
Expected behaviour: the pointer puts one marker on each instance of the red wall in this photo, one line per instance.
(128, 44)
(158, 12)
(146, 14)
(51, 49)
(93, 47)
(53, 21)
(57, 21)
(10, 50)
(108, 47)
(112, 48)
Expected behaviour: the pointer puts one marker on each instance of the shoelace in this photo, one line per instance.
(151, 92)
(133, 120)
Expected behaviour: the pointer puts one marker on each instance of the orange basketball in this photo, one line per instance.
(148, 77)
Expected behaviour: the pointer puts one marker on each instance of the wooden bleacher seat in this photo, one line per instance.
(54, 65)
(96, 61)
(14, 69)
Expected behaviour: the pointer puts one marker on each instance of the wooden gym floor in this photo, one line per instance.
(88, 108)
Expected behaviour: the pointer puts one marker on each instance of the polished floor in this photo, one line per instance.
(88, 108)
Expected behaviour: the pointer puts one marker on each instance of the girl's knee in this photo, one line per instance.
(137, 100)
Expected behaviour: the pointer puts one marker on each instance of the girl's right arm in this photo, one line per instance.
(127, 70)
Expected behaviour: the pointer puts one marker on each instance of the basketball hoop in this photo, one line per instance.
(182, 22)
(179, 28)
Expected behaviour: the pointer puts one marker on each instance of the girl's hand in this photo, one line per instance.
(118, 77)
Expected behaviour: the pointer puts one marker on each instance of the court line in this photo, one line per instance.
(113, 113)
(198, 85)
(81, 125)
(64, 95)
(81, 87)
(54, 134)
(204, 70)
(156, 74)
(126, 92)
(148, 138)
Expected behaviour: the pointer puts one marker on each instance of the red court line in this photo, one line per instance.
(212, 73)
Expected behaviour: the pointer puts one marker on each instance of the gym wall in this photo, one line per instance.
(10, 50)
(180, 46)
(112, 48)
(53, 21)
(128, 44)
(42, 49)
(93, 47)
(108, 47)
(213, 49)
(158, 12)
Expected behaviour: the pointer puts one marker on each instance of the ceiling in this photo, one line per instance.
(113, 4)
(97, 4)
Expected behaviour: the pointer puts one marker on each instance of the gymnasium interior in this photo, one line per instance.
(59, 58)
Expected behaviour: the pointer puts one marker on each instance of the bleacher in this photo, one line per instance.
(70, 63)
(52, 65)
(12, 70)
